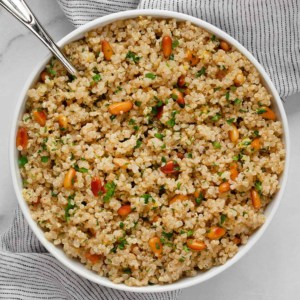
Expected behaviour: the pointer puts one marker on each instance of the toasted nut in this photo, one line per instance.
(192, 58)
(255, 144)
(239, 79)
(195, 245)
(160, 111)
(233, 134)
(181, 81)
(40, 117)
(22, 138)
(234, 171)
(120, 107)
(216, 232)
(178, 198)
(156, 246)
(236, 240)
(121, 162)
(96, 186)
(256, 202)
(69, 179)
(155, 218)
(93, 258)
(224, 46)
(43, 76)
(224, 187)
(107, 50)
(124, 210)
(269, 114)
(62, 121)
(180, 155)
(221, 74)
(178, 96)
(166, 45)
(170, 167)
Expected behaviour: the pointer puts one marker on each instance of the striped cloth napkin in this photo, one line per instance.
(269, 29)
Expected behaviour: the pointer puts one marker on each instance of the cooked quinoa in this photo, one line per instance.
(158, 160)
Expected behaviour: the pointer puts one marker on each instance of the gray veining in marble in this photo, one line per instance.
(271, 271)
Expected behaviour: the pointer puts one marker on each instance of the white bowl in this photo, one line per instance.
(76, 266)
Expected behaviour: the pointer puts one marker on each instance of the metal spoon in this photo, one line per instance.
(20, 11)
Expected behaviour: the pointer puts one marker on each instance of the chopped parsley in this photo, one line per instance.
(230, 121)
(119, 89)
(201, 72)
(110, 188)
(256, 133)
(112, 117)
(186, 248)
(227, 95)
(121, 225)
(70, 205)
(237, 101)
(138, 144)
(199, 199)
(150, 76)
(189, 155)
(44, 159)
(171, 122)
(171, 57)
(146, 198)
(261, 111)
(216, 117)
(81, 170)
(216, 145)
(167, 235)
(96, 77)
(132, 122)
(22, 161)
(138, 103)
(159, 136)
(132, 56)
(222, 219)
(127, 271)
(122, 242)
(213, 38)
(189, 233)
(163, 159)
(175, 44)
(258, 186)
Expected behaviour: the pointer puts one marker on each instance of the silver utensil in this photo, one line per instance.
(21, 11)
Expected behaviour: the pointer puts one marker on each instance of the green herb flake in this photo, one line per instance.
(70, 205)
(171, 122)
(132, 122)
(146, 198)
(199, 199)
(44, 159)
(81, 170)
(189, 155)
(171, 57)
(138, 103)
(122, 242)
(181, 259)
(22, 161)
(167, 235)
(261, 111)
(136, 128)
(150, 76)
(216, 117)
(175, 44)
(127, 271)
(119, 89)
(110, 188)
(96, 78)
(186, 248)
(217, 88)
(159, 136)
(132, 56)
(164, 146)
(138, 144)
(230, 121)
(163, 159)
(222, 219)
(237, 101)
(258, 186)
(216, 145)
(189, 233)
(201, 72)
(227, 95)
(53, 194)
(112, 117)
(233, 88)
(121, 225)
(213, 38)
(256, 133)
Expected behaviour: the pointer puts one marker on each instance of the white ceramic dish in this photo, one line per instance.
(76, 266)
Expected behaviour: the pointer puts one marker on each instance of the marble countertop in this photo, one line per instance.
(271, 270)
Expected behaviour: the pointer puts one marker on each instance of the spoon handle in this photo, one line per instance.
(21, 11)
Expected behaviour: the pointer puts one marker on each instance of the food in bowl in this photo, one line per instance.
(158, 160)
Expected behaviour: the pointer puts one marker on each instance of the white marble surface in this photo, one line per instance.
(272, 268)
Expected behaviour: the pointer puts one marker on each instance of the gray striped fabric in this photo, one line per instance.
(269, 29)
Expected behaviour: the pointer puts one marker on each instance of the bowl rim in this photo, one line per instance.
(58, 253)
